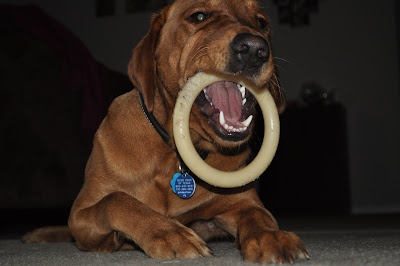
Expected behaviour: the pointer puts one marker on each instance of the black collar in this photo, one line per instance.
(153, 121)
(161, 131)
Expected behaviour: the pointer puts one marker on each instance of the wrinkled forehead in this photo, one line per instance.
(234, 7)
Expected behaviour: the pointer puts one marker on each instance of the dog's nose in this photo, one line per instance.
(248, 53)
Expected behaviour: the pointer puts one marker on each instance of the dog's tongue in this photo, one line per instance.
(226, 97)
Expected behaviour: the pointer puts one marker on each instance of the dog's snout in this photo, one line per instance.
(248, 53)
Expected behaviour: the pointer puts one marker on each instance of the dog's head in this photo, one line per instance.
(212, 36)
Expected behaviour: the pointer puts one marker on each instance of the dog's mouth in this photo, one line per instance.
(229, 108)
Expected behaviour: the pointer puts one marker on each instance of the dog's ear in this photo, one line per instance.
(142, 65)
(275, 89)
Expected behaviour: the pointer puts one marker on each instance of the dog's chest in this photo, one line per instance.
(158, 194)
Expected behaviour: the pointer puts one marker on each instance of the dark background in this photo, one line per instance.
(62, 63)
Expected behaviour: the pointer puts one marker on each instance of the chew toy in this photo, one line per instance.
(189, 154)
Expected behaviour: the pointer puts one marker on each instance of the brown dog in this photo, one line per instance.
(127, 200)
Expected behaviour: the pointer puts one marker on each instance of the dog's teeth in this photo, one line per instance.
(227, 127)
(248, 121)
(243, 90)
(222, 118)
(244, 101)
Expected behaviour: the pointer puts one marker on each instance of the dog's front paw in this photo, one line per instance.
(272, 246)
(175, 241)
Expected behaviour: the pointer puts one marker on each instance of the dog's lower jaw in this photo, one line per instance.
(205, 138)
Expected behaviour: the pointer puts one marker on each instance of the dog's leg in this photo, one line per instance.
(258, 237)
(118, 216)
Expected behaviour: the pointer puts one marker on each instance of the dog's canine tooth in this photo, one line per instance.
(242, 90)
(248, 121)
(221, 118)
(205, 94)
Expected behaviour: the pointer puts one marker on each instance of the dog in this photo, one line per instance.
(126, 201)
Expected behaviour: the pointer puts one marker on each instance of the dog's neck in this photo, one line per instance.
(161, 131)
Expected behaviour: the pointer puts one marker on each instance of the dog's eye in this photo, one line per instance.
(262, 23)
(199, 17)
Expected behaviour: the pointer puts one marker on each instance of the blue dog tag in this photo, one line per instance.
(183, 185)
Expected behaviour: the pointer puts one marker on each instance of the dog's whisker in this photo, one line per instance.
(283, 59)
(276, 83)
(280, 67)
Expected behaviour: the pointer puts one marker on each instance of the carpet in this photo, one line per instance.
(365, 240)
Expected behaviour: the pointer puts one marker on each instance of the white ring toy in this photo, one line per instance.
(189, 154)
